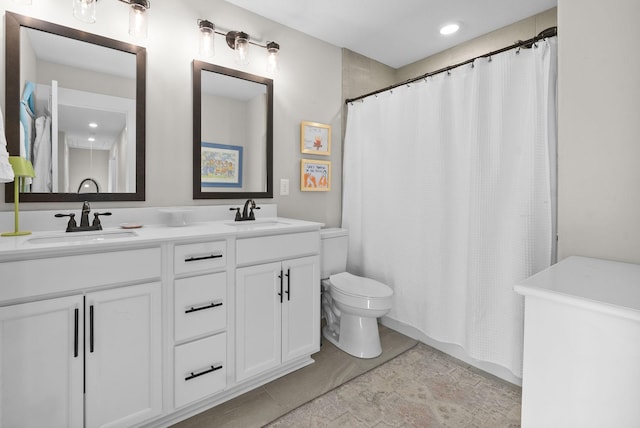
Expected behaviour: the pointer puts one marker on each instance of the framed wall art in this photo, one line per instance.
(315, 138)
(315, 175)
(220, 165)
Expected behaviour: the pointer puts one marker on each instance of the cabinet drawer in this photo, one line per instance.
(277, 247)
(36, 277)
(200, 369)
(199, 257)
(200, 305)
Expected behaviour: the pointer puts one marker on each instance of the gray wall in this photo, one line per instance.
(599, 147)
(307, 88)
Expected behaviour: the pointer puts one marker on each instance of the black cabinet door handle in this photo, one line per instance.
(91, 328)
(201, 308)
(198, 258)
(76, 326)
(281, 280)
(288, 284)
(211, 369)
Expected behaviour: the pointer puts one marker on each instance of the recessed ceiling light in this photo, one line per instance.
(93, 125)
(449, 29)
(91, 139)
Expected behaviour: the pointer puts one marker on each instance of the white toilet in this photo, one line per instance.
(350, 304)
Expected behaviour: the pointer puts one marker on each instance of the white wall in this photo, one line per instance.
(308, 87)
(599, 129)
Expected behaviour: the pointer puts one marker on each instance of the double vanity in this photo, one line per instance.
(148, 326)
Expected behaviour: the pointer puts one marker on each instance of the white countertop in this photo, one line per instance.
(602, 285)
(20, 247)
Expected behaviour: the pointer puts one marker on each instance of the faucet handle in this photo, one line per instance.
(72, 220)
(238, 216)
(252, 216)
(96, 220)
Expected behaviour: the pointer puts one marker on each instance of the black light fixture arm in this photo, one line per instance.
(143, 3)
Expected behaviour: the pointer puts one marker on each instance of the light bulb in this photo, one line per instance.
(242, 48)
(138, 19)
(85, 10)
(207, 33)
(272, 57)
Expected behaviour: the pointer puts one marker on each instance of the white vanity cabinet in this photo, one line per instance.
(90, 359)
(581, 364)
(41, 364)
(148, 329)
(277, 303)
(200, 320)
(122, 355)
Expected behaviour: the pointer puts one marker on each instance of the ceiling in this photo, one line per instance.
(398, 32)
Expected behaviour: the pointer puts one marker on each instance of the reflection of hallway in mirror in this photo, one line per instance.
(92, 91)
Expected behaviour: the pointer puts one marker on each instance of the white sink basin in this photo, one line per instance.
(93, 236)
(257, 224)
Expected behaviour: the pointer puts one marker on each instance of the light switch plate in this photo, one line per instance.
(284, 186)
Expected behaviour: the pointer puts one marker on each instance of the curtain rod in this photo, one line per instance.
(527, 44)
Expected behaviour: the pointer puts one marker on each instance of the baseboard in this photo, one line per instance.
(455, 351)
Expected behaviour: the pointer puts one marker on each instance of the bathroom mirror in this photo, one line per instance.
(232, 133)
(75, 107)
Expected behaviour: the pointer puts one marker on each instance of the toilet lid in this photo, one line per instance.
(358, 286)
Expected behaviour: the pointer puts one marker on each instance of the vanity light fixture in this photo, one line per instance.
(207, 33)
(85, 11)
(138, 17)
(239, 41)
(273, 64)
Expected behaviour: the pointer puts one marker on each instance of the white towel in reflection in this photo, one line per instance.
(42, 155)
(6, 172)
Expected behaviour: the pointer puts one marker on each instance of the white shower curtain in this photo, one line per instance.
(449, 197)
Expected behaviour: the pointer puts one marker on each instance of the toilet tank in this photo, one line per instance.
(334, 245)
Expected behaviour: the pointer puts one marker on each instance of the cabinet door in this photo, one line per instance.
(122, 348)
(41, 364)
(258, 320)
(301, 308)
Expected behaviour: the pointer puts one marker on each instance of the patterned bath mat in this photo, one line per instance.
(420, 388)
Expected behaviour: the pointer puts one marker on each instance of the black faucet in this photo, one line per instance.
(247, 211)
(72, 226)
(86, 209)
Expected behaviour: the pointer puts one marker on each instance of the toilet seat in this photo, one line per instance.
(360, 293)
(357, 286)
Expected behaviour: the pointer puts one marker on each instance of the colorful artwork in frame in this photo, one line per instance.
(315, 138)
(315, 175)
(220, 165)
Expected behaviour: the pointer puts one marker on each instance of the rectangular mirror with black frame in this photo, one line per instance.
(75, 107)
(232, 133)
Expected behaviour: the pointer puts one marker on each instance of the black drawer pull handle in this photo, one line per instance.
(204, 372)
(201, 308)
(76, 325)
(91, 328)
(195, 259)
